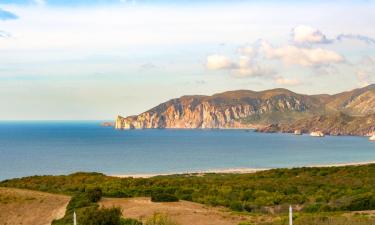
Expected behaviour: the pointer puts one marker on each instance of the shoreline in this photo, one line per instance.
(234, 170)
(254, 128)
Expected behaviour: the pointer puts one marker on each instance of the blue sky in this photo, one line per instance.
(96, 59)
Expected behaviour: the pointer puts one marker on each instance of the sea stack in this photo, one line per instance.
(372, 138)
(317, 134)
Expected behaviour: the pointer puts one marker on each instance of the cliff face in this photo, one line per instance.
(226, 110)
(242, 109)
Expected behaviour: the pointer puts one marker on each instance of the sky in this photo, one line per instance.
(94, 60)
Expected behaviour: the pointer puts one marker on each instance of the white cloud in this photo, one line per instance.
(247, 67)
(244, 67)
(366, 71)
(306, 34)
(247, 50)
(301, 56)
(287, 82)
(219, 62)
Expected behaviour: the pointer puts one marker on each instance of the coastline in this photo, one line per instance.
(234, 170)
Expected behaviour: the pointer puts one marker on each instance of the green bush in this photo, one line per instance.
(236, 206)
(361, 202)
(129, 221)
(95, 194)
(94, 216)
(163, 197)
(79, 200)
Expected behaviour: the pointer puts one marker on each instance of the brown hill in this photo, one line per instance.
(30, 207)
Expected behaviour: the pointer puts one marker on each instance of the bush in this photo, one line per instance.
(129, 221)
(236, 206)
(94, 195)
(94, 216)
(312, 208)
(78, 201)
(361, 202)
(163, 197)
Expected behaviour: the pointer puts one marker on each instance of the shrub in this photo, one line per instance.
(361, 202)
(163, 197)
(94, 195)
(129, 221)
(94, 216)
(236, 206)
(78, 201)
(160, 219)
(312, 208)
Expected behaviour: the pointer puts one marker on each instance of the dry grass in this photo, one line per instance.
(183, 212)
(24, 207)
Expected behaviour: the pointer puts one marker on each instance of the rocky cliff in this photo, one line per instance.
(244, 109)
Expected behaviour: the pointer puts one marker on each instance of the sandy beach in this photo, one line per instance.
(233, 170)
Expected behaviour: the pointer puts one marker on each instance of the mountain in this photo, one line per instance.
(250, 109)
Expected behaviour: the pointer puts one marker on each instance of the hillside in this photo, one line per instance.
(30, 207)
(319, 195)
(319, 189)
(248, 109)
(332, 124)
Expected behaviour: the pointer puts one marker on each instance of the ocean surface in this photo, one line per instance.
(41, 148)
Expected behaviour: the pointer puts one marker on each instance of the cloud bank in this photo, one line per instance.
(4, 34)
(308, 35)
(293, 55)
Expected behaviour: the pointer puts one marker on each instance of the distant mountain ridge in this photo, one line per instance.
(250, 109)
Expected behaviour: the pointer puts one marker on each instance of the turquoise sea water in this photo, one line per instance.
(39, 148)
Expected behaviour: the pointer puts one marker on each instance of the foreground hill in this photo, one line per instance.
(244, 108)
(311, 189)
(30, 207)
(324, 196)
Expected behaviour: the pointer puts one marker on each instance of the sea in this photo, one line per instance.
(64, 147)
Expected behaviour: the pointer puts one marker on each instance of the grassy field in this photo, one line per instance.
(30, 207)
(183, 212)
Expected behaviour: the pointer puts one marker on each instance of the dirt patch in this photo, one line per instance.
(24, 207)
(183, 212)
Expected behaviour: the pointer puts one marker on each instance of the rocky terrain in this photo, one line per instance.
(346, 112)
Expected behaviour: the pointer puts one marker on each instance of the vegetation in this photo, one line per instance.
(160, 195)
(160, 219)
(319, 219)
(313, 190)
(88, 212)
